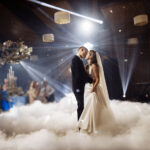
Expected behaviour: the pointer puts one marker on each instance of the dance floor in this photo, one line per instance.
(52, 126)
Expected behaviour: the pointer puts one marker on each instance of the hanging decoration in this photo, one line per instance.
(132, 41)
(62, 17)
(140, 20)
(48, 37)
(14, 52)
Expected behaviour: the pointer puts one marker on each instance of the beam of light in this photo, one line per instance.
(45, 14)
(126, 68)
(31, 74)
(58, 46)
(72, 39)
(66, 58)
(38, 75)
(65, 10)
(130, 70)
(53, 57)
(53, 67)
(53, 82)
(65, 69)
(122, 70)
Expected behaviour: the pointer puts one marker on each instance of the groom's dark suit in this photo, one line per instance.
(79, 78)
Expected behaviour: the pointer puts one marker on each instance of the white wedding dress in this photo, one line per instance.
(97, 115)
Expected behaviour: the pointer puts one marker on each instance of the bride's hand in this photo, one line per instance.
(93, 90)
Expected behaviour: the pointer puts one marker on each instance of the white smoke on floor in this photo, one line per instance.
(52, 126)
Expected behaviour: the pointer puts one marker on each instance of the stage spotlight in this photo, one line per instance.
(88, 45)
(124, 95)
(125, 60)
(86, 26)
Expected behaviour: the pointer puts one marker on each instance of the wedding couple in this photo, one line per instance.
(90, 90)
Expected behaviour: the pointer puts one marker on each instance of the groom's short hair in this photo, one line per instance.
(82, 47)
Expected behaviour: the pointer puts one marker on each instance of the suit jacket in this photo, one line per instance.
(79, 75)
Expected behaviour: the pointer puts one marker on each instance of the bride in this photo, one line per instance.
(97, 115)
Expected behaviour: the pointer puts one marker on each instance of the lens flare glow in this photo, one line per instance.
(86, 27)
(88, 45)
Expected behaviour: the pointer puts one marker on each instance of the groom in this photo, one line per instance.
(79, 78)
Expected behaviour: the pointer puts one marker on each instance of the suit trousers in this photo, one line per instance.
(80, 103)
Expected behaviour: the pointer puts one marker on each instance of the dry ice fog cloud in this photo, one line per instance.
(52, 127)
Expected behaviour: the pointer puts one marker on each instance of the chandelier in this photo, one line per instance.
(48, 37)
(61, 17)
(141, 20)
(14, 52)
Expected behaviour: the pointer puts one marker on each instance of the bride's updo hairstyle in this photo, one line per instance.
(93, 57)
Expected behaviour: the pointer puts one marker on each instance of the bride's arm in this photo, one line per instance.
(96, 76)
(87, 68)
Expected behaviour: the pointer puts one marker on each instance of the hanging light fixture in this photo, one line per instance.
(62, 17)
(48, 37)
(140, 20)
(132, 41)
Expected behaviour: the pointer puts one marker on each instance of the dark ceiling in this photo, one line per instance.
(24, 20)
